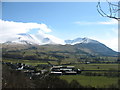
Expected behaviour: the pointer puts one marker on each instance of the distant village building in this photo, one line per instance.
(64, 70)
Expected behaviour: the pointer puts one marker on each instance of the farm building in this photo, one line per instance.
(64, 70)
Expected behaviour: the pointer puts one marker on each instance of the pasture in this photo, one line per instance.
(94, 81)
(91, 66)
(83, 79)
(97, 66)
(27, 62)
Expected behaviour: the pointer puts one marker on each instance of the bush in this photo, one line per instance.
(75, 84)
(31, 57)
(50, 82)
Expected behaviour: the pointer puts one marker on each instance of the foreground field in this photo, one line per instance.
(94, 81)
(86, 78)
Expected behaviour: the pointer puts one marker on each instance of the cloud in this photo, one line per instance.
(112, 34)
(53, 38)
(109, 22)
(10, 29)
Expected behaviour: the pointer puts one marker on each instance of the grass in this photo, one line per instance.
(97, 66)
(80, 66)
(94, 81)
(28, 62)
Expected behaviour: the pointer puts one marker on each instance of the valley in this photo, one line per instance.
(93, 65)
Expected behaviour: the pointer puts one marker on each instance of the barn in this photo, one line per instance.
(64, 70)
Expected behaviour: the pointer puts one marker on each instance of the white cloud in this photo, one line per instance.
(109, 22)
(53, 38)
(111, 39)
(44, 28)
(10, 29)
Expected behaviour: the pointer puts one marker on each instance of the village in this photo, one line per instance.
(32, 71)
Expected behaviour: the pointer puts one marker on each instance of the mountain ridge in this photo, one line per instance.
(24, 37)
(83, 44)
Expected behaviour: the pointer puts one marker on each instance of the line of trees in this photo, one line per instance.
(107, 74)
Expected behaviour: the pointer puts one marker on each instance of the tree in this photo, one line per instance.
(114, 10)
(59, 57)
(14, 79)
(51, 82)
(75, 84)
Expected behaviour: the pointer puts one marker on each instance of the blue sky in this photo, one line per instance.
(67, 20)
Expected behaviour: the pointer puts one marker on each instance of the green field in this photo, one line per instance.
(97, 66)
(27, 62)
(94, 81)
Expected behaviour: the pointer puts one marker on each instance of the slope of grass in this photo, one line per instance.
(94, 81)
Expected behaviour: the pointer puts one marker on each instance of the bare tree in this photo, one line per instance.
(114, 10)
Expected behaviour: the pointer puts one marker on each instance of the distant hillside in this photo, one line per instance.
(66, 53)
(91, 46)
(96, 48)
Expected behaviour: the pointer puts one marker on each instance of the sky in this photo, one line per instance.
(60, 20)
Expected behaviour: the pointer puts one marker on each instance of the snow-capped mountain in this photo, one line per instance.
(24, 38)
(85, 44)
(91, 46)
(40, 39)
(80, 40)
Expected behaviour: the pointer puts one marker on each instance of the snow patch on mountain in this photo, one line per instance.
(80, 40)
(40, 39)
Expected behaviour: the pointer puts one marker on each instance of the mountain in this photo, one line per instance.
(84, 45)
(96, 49)
(80, 40)
(24, 38)
(91, 46)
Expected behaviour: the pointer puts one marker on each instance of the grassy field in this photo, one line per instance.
(94, 81)
(80, 66)
(97, 66)
(27, 62)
